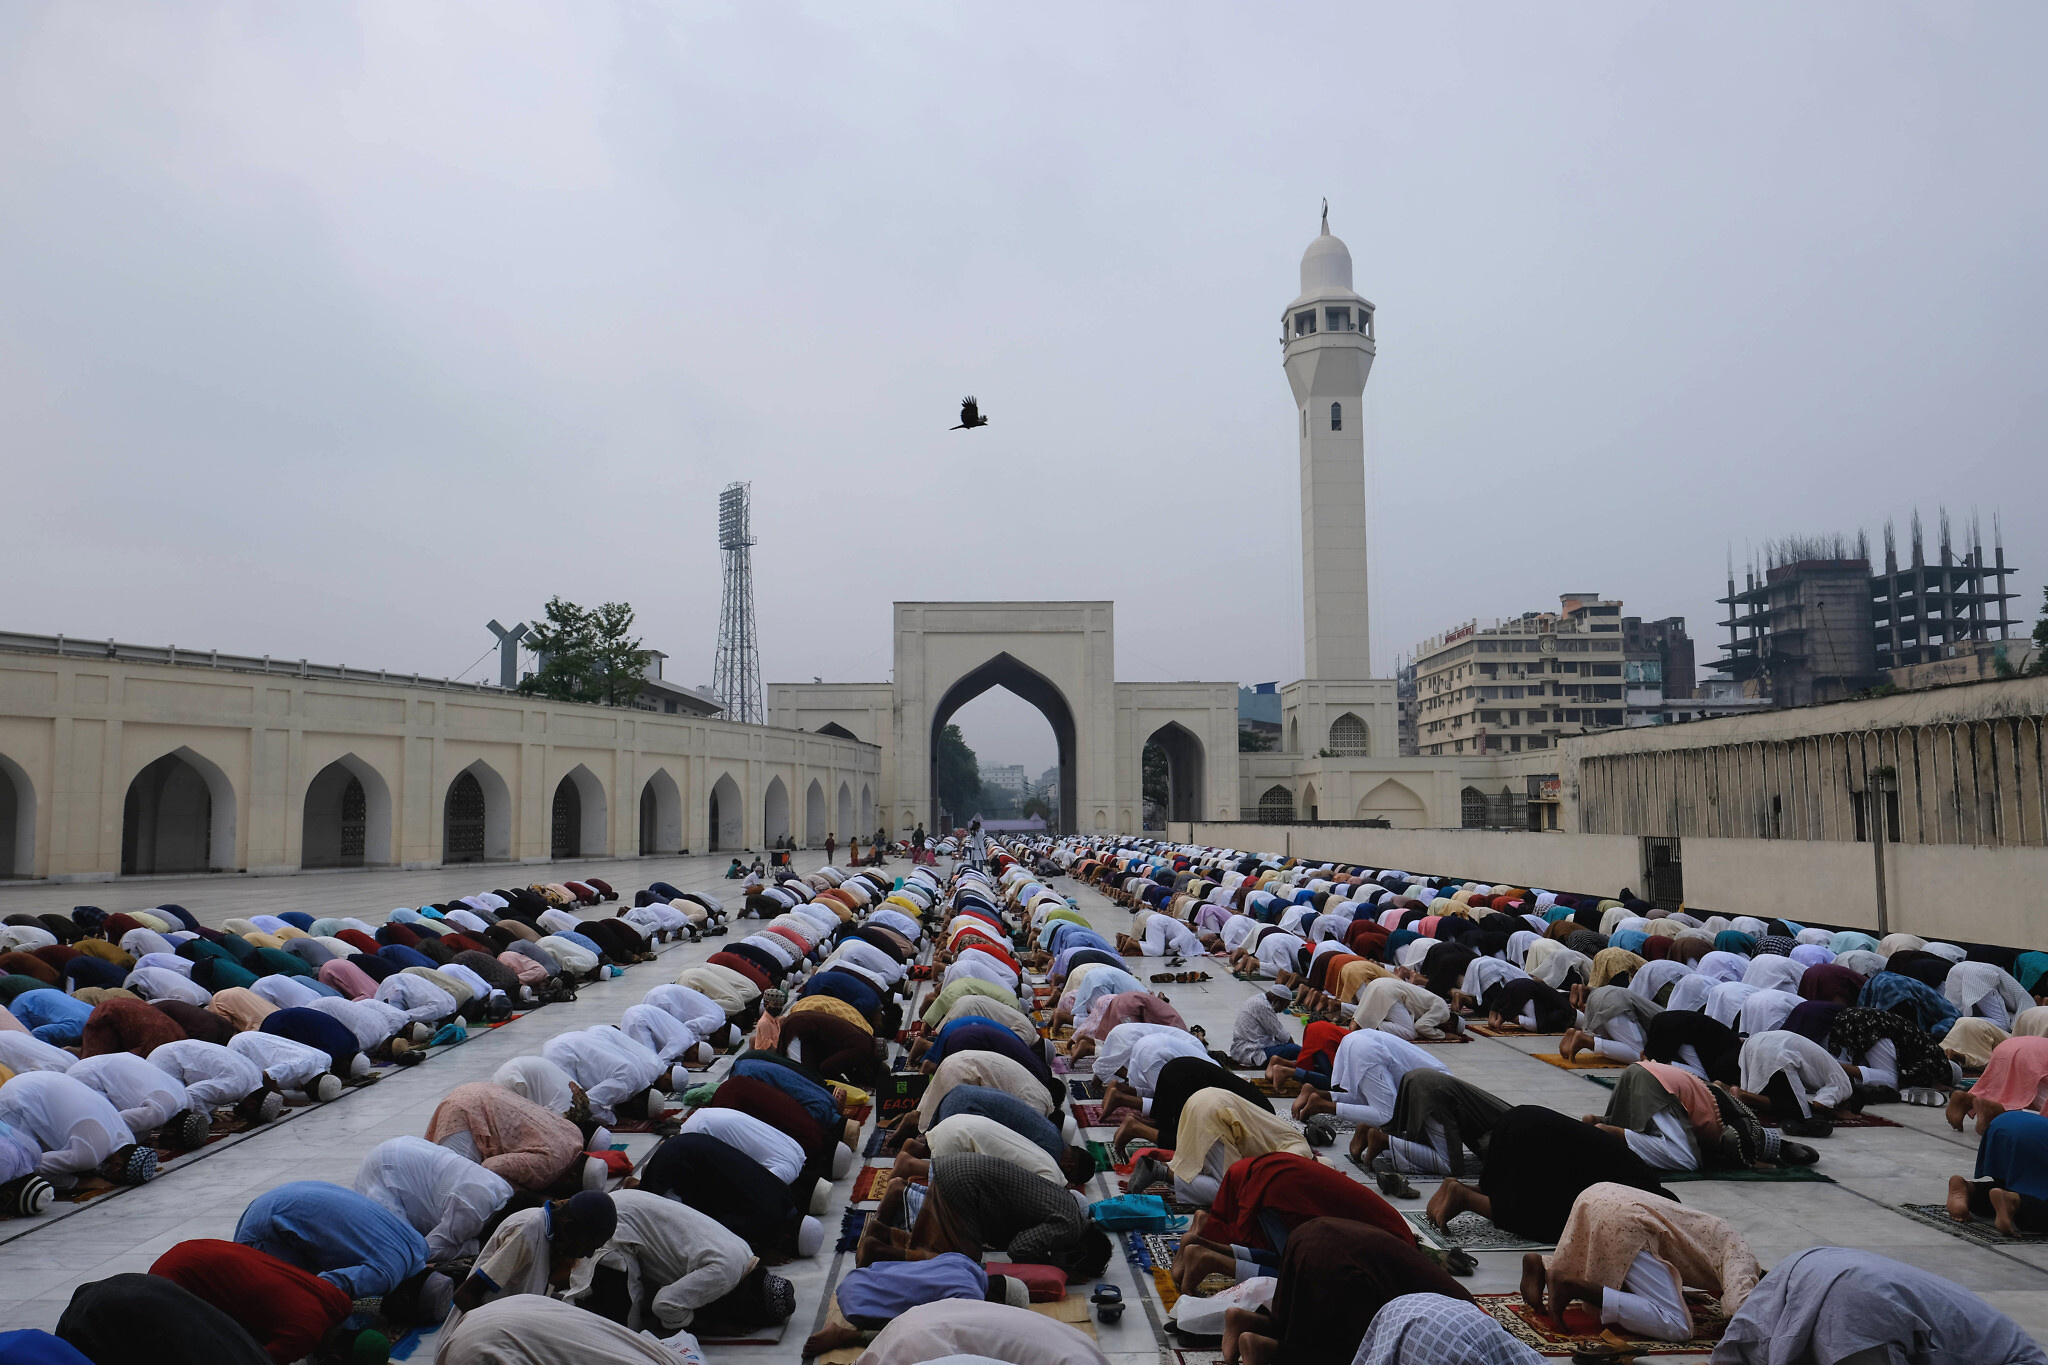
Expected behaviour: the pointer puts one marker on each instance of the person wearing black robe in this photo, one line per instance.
(1717, 1047)
(1179, 1081)
(149, 1320)
(1537, 1162)
(1335, 1275)
(726, 1184)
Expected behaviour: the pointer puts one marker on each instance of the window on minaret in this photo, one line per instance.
(1336, 319)
(1336, 417)
(1305, 323)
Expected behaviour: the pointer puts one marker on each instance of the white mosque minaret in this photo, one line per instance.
(1327, 336)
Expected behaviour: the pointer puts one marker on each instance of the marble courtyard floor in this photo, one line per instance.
(1873, 1170)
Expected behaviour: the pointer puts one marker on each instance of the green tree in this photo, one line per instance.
(1038, 806)
(587, 654)
(2040, 665)
(1252, 742)
(959, 774)
(1156, 784)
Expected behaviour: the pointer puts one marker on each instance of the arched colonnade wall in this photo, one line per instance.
(239, 768)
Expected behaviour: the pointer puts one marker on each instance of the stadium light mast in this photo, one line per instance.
(736, 671)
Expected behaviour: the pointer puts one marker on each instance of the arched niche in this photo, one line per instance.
(774, 812)
(178, 816)
(727, 815)
(476, 816)
(661, 815)
(346, 821)
(815, 819)
(578, 825)
(17, 820)
(1276, 806)
(1350, 737)
(848, 826)
(1394, 803)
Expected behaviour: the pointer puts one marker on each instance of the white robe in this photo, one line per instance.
(445, 1197)
(776, 1150)
(75, 1125)
(539, 1080)
(422, 1001)
(372, 1021)
(609, 1066)
(146, 1096)
(211, 1074)
(676, 1259)
(290, 1065)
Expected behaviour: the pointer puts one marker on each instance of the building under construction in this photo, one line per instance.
(1814, 624)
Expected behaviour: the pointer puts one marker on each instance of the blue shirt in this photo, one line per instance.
(40, 1348)
(347, 1239)
(816, 1099)
(51, 1015)
(845, 986)
(1006, 1109)
(887, 1288)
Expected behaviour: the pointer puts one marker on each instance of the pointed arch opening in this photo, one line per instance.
(1472, 808)
(1276, 806)
(728, 813)
(774, 812)
(661, 815)
(1008, 672)
(815, 818)
(1309, 810)
(847, 827)
(178, 816)
(1350, 737)
(347, 817)
(17, 820)
(1174, 765)
(1394, 803)
(476, 817)
(579, 823)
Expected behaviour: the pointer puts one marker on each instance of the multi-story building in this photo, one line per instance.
(1522, 684)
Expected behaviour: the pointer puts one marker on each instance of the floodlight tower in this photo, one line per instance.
(736, 672)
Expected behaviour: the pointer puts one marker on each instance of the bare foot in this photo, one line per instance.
(831, 1337)
(1312, 1102)
(1958, 1109)
(1572, 1044)
(1375, 1142)
(2005, 1206)
(1452, 1198)
(1959, 1199)
(1198, 1264)
(1533, 1280)
(1254, 1348)
(1236, 1322)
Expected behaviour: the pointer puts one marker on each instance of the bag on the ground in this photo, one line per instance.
(1135, 1213)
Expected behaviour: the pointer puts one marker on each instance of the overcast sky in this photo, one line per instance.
(334, 331)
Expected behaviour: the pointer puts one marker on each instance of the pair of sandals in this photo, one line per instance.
(1184, 978)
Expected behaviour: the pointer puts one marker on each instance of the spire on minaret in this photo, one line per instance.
(1326, 217)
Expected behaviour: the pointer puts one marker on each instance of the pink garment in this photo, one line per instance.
(515, 1138)
(351, 980)
(2017, 1075)
(1390, 918)
(1131, 1007)
(10, 1024)
(529, 972)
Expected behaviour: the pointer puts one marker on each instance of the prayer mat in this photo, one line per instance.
(874, 1143)
(861, 1113)
(1123, 1186)
(1978, 1230)
(1089, 1115)
(1282, 1090)
(1471, 1232)
(850, 1228)
(1103, 1160)
(1783, 1175)
(1591, 1061)
(868, 1184)
(1583, 1329)
(760, 1336)
(1090, 1089)
(1061, 1065)
(1513, 1031)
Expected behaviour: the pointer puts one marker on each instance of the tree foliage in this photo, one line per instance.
(2040, 664)
(1156, 785)
(959, 775)
(1252, 742)
(587, 654)
(1038, 806)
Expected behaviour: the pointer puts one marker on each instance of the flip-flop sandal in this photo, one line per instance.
(1395, 1186)
(1159, 978)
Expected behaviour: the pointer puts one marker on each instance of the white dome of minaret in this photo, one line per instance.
(1326, 267)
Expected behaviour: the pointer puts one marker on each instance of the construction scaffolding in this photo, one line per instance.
(1813, 623)
(736, 671)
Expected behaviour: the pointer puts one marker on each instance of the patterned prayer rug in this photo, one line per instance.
(850, 1228)
(1090, 1089)
(1976, 1230)
(868, 1184)
(1089, 1115)
(1583, 1329)
(1471, 1232)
